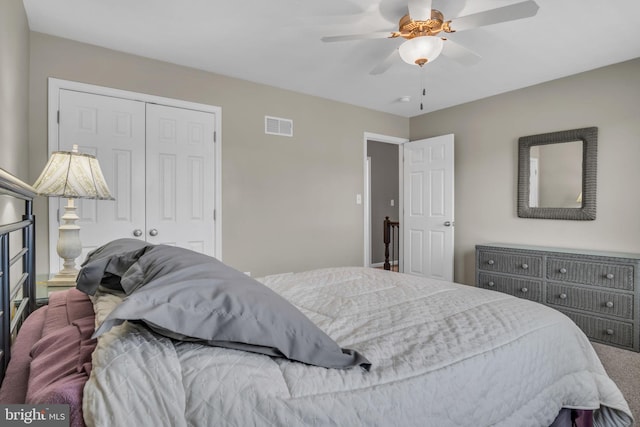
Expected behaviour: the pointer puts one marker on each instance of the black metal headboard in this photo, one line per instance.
(12, 313)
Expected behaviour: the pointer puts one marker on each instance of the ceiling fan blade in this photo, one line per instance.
(420, 10)
(378, 35)
(392, 10)
(512, 12)
(460, 54)
(386, 63)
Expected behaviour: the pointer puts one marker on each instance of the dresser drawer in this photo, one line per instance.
(522, 288)
(522, 265)
(601, 302)
(604, 330)
(615, 276)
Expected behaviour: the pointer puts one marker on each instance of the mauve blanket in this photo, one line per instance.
(51, 359)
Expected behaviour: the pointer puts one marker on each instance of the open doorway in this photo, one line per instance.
(383, 193)
(384, 197)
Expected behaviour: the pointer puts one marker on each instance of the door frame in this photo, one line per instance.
(55, 85)
(369, 136)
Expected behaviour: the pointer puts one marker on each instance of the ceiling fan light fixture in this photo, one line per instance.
(420, 50)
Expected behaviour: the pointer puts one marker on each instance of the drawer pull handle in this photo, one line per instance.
(491, 262)
(609, 304)
(563, 296)
(609, 331)
(491, 284)
(524, 290)
(563, 270)
(525, 266)
(609, 276)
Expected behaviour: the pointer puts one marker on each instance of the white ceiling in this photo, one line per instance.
(278, 43)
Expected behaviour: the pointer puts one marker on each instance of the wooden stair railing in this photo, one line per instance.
(391, 237)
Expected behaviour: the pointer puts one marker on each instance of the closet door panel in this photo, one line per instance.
(180, 177)
(112, 129)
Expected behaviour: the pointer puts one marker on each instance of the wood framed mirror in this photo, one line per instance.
(557, 174)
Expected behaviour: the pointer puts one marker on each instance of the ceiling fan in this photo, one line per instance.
(423, 29)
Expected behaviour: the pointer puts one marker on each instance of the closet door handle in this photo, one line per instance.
(137, 232)
(153, 232)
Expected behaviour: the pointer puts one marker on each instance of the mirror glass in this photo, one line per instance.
(556, 175)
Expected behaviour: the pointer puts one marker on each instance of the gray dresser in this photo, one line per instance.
(599, 291)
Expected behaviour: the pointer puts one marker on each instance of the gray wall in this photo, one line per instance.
(14, 88)
(486, 150)
(384, 188)
(289, 204)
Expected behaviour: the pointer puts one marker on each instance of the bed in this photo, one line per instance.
(161, 336)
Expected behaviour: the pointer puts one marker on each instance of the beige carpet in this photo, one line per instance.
(623, 366)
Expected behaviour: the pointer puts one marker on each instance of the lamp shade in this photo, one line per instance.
(73, 175)
(420, 50)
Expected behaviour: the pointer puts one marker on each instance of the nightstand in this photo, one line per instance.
(43, 290)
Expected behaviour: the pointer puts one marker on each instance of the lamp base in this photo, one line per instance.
(69, 247)
(63, 280)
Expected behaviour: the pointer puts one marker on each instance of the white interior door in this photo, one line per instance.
(112, 129)
(429, 207)
(180, 178)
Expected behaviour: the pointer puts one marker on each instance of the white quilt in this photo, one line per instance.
(442, 355)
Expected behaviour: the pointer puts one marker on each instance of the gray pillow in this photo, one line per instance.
(106, 264)
(189, 296)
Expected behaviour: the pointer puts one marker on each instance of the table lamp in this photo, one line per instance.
(72, 175)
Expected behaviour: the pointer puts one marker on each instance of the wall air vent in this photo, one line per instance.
(278, 126)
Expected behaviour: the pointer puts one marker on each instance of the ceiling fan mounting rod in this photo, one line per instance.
(409, 29)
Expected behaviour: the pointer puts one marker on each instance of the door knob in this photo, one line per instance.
(447, 223)
(153, 232)
(137, 232)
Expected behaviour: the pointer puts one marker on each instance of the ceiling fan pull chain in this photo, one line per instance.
(424, 91)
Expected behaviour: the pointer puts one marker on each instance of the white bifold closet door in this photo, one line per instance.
(180, 178)
(158, 162)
